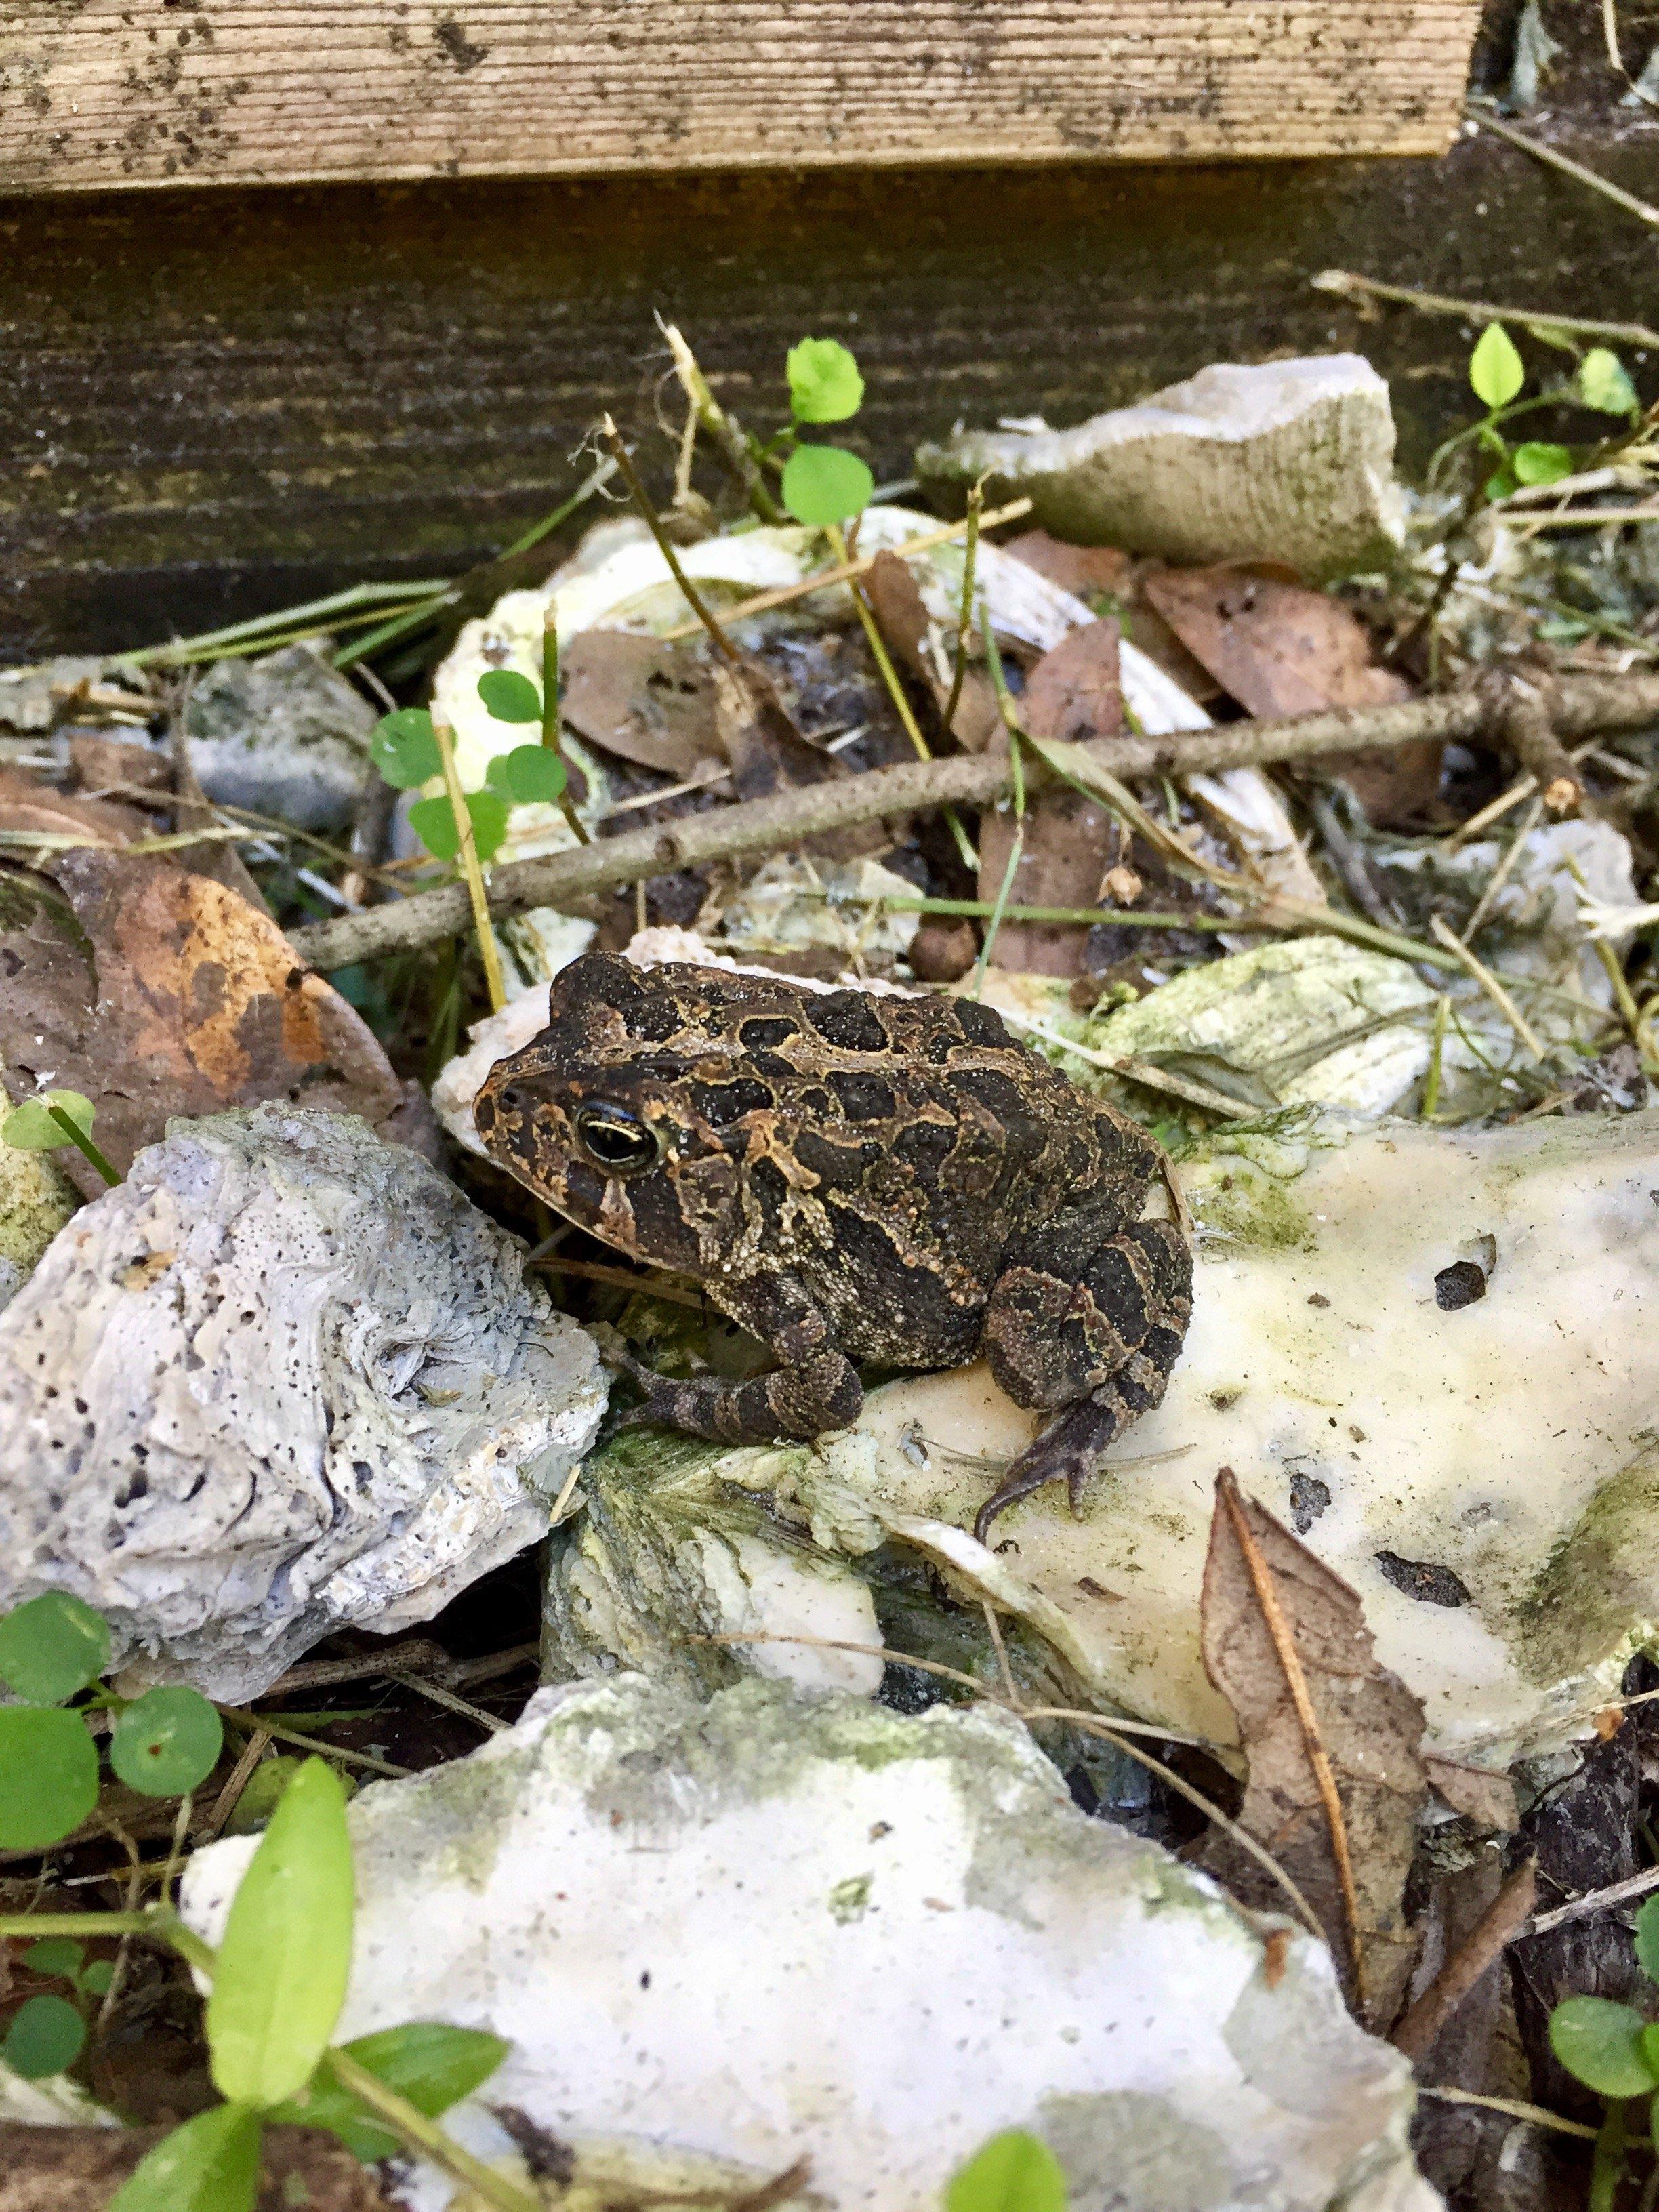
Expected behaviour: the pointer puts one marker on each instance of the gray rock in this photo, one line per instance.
(285, 1376)
(287, 736)
(1290, 460)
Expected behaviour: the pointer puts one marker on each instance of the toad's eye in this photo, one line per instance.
(615, 1140)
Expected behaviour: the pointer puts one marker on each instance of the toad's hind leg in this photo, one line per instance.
(814, 1387)
(1086, 1321)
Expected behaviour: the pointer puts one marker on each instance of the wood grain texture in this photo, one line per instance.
(222, 401)
(95, 94)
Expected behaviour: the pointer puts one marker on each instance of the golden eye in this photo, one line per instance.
(615, 1140)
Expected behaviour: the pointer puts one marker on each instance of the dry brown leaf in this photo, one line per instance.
(896, 603)
(1071, 844)
(154, 992)
(102, 763)
(34, 807)
(1280, 648)
(1094, 573)
(645, 700)
(1367, 1731)
(1074, 692)
(1486, 1799)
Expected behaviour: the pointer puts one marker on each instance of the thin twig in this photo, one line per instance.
(1513, 2108)
(1554, 159)
(1501, 874)
(1504, 1918)
(1348, 286)
(1493, 989)
(241, 1775)
(447, 1700)
(488, 951)
(848, 571)
(965, 619)
(1289, 1659)
(1144, 1072)
(641, 499)
(1584, 704)
(369, 1759)
(1597, 1900)
(994, 1631)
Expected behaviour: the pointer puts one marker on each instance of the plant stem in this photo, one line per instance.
(83, 1143)
(475, 882)
(1640, 209)
(1437, 1057)
(550, 724)
(1348, 286)
(426, 2139)
(965, 621)
(728, 438)
(1607, 2161)
(896, 691)
(845, 572)
(641, 499)
(177, 652)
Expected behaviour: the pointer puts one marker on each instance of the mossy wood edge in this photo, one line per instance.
(159, 93)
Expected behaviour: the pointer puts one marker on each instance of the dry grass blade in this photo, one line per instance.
(1335, 1773)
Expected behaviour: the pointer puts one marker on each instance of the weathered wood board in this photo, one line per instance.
(95, 94)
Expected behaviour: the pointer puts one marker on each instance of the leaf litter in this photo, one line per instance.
(1118, 918)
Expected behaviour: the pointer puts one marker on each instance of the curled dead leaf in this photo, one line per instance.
(642, 698)
(156, 992)
(1336, 1779)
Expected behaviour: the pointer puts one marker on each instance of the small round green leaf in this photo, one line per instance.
(46, 2035)
(509, 696)
(1015, 2171)
(210, 2163)
(823, 484)
(824, 384)
(403, 748)
(53, 1645)
(1600, 2044)
(1500, 483)
(166, 1741)
(1604, 382)
(1539, 463)
(48, 1776)
(1496, 370)
(56, 1954)
(433, 821)
(98, 1977)
(30, 1128)
(529, 775)
(286, 1951)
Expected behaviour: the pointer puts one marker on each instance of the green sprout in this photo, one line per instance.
(55, 1118)
(1498, 377)
(823, 485)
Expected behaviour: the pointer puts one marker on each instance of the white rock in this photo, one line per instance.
(284, 1377)
(1288, 460)
(767, 1928)
(1486, 1478)
(36, 1198)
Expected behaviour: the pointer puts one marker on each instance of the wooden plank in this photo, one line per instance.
(220, 402)
(106, 92)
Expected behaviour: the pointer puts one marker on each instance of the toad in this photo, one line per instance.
(852, 1177)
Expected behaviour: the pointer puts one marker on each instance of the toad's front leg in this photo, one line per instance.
(813, 1387)
(1088, 1321)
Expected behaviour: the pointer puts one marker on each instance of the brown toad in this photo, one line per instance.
(852, 1177)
